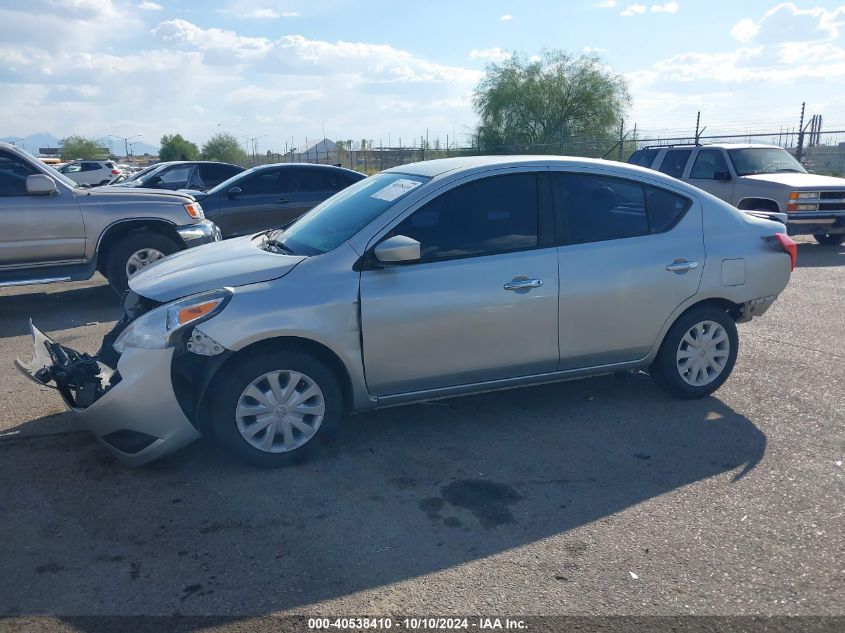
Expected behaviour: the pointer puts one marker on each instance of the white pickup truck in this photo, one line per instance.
(758, 178)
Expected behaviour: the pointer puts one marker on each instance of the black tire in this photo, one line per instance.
(119, 254)
(830, 239)
(228, 392)
(665, 370)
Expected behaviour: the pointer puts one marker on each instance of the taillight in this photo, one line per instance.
(789, 246)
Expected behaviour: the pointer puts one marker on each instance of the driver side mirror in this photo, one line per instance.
(722, 175)
(153, 182)
(397, 249)
(234, 192)
(41, 185)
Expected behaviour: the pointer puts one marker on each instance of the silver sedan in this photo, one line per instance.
(425, 281)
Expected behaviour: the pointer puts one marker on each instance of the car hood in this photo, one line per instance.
(235, 262)
(800, 181)
(115, 192)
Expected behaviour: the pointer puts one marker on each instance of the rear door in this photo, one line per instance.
(267, 200)
(480, 305)
(629, 255)
(36, 230)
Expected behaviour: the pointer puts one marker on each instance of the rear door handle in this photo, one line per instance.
(523, 284)
(681, 266)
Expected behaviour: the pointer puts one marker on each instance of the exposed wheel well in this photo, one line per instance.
(279, 345)
(116, 232)
(758, 204)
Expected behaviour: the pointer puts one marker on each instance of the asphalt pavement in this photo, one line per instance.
(599, 496)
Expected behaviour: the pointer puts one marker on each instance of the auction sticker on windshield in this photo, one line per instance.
(396, 189)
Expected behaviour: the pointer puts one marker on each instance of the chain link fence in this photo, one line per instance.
(820, 152)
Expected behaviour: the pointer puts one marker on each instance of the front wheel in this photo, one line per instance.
(698, 353)
(276, 409)
(132, 254)
(830, 239)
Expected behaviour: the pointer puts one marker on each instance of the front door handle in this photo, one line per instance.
(283, 201)
(681, 266)
(523, 284)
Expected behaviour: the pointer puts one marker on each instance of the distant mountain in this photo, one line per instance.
(34, 142)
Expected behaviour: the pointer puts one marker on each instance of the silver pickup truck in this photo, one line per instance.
(52, 229)
(758, 178)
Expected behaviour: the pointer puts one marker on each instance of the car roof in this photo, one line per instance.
(311, 165)
(716, 146)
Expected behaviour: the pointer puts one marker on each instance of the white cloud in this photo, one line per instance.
(745, 30)
(150, 6)
(606, 4)
(633, 9)
(785, 22)
(669, 7)
(263, 13)
(227, 44)
(506, 17)
(494, 54)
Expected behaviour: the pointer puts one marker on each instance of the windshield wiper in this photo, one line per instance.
(279, 246)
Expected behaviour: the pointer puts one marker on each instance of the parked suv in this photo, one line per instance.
(91, 172)
(758, 178)
(428, 280)
(51, 229)
(196, 175)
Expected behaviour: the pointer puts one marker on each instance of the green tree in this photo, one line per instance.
(74, 147)
(223, 147)
(551, 100)
(177, 148)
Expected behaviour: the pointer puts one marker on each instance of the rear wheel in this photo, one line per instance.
(276, 409)
(830, 239)
(698, 353)
(133, 253)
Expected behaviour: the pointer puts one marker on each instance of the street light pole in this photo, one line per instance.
(125, 140)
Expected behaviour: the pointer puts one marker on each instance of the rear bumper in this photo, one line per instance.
(200, 233)
(134, 412)
(821, 222)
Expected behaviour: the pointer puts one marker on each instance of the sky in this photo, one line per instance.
(286, 70)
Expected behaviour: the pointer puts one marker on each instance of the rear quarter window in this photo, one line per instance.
(665, 209)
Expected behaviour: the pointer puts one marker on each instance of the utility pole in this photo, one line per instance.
(125, 140)
(800, 154)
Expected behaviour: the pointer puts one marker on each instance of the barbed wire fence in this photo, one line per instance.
(820, 150)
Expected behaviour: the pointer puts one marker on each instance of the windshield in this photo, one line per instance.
(145, 174)
(337, 219)
(763, 160)
(228, 183)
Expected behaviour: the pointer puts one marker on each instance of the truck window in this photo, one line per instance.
(674, 162)
(643, 157)
(708, 164)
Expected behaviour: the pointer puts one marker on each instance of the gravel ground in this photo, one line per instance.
(600, 496)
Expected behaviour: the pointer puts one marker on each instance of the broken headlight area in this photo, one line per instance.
(79, 377)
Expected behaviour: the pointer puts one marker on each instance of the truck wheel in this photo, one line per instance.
(275, 410)
(830, 239)
(133, 253)
(697, 355)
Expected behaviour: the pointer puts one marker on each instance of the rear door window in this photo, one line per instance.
(321, 180)
(674, 162)
(599, 208)
(269, 182)
(643, 157)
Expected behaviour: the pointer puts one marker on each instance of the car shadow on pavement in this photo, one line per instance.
(815, 255)
(402, 493)
(54, 310)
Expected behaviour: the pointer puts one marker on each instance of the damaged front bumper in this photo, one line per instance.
(132, 408)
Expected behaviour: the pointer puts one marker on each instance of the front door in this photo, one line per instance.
(267, 200)
(629, 256)
(36, 230)
(710, 172)
(480, 305)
